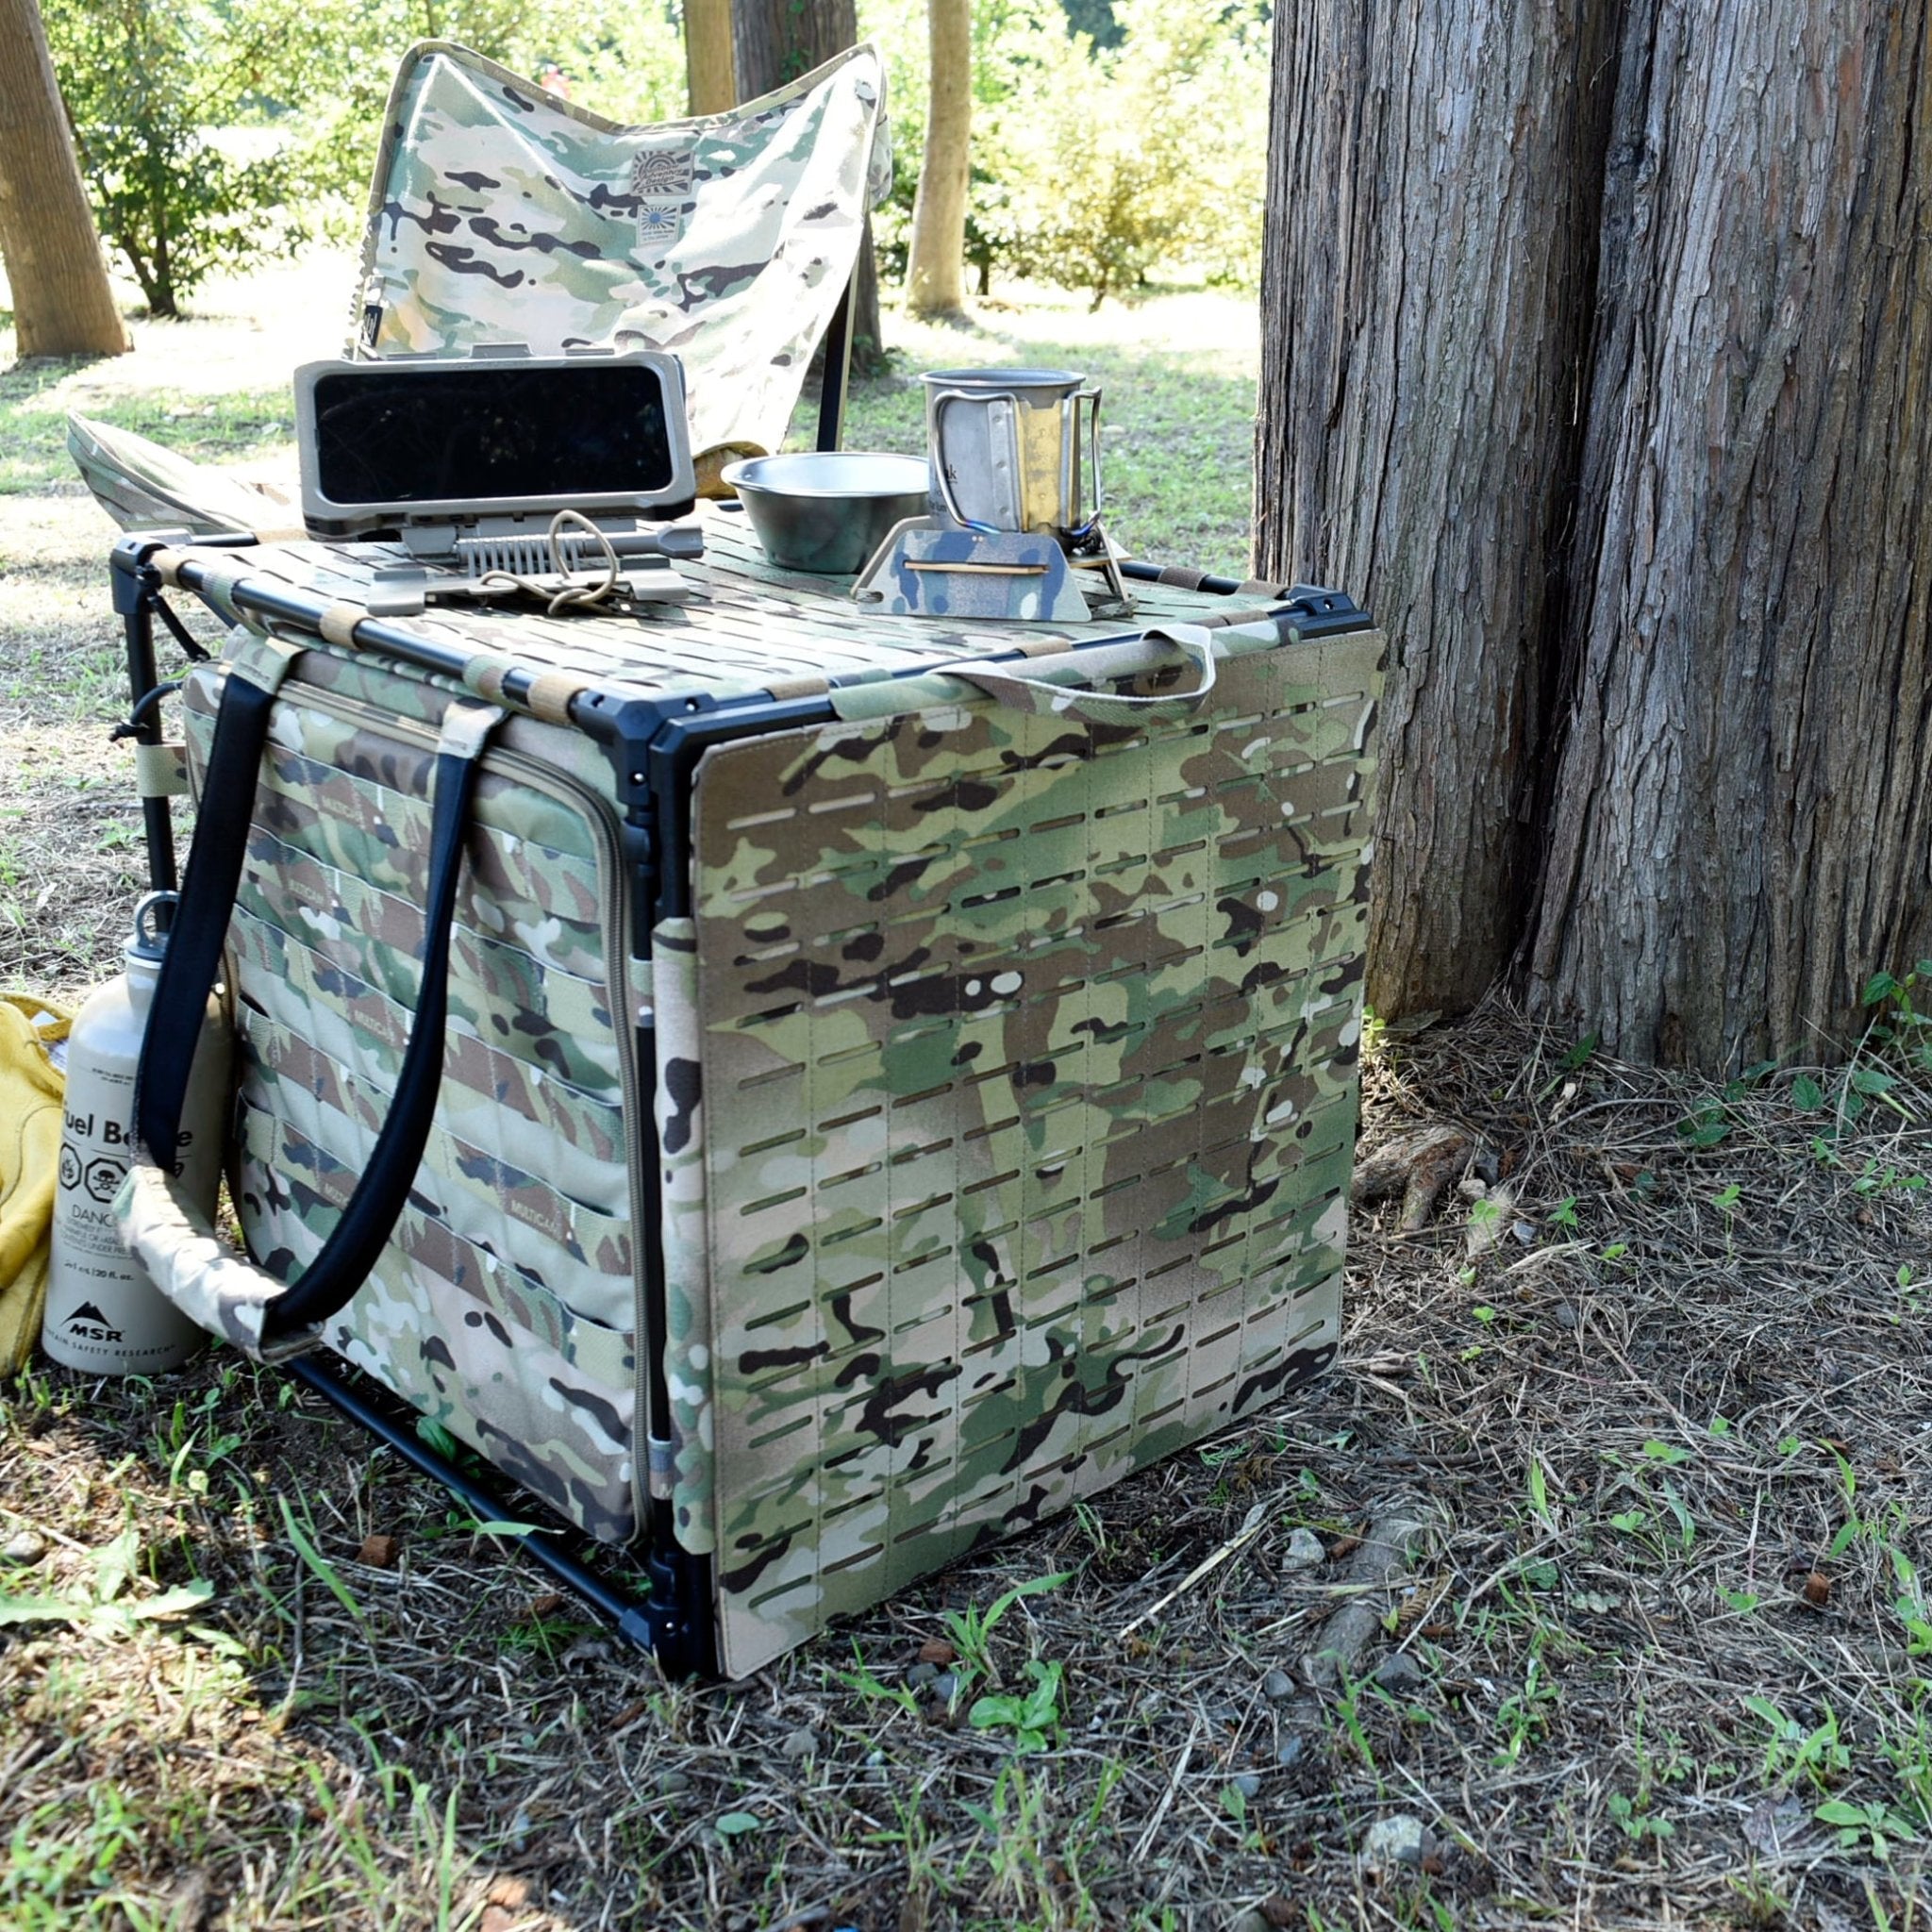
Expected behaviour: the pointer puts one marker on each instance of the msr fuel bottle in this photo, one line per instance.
(103, 1312)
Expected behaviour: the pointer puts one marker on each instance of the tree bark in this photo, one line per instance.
(775, 41)
(1741, 807)
(711, 73)
(62, 304)
(936, 258)
(1596, 345)
(1424, 305)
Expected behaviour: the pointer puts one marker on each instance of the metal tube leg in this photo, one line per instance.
(157, 813)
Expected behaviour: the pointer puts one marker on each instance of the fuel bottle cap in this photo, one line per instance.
(153, 918)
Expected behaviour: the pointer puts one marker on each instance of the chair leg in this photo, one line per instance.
(837, 370)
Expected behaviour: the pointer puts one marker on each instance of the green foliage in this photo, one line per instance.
(211, 130)
(1095, 162)
(1872, 1824)
(1634, 1822)
(1033, 1716)
(1794, 1750)
(101, 1609)
(143, 81)
(971, 1631)
(1150, 154)
(54, 1879)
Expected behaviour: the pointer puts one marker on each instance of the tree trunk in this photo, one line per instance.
(1596, 349)
(936, 260)
(1425, 304)
(62, 305)
(710, 71)
(777, 41)
(1741, 809)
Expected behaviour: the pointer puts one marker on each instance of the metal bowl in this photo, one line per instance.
(827, 511)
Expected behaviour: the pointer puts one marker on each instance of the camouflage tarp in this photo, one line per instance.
(502, 213)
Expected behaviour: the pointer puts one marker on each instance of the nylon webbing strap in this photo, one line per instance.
(357, 1238)
(193, 956)
(208, 896)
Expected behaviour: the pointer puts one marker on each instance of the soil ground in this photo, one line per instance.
(1652, 1378)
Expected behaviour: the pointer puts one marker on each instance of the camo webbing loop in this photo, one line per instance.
(161, 770)
(1047, 697)
(549, 694)
(781, 688)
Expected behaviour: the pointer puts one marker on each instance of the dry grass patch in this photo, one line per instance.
(1663, 1643)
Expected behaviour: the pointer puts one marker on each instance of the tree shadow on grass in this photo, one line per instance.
(37, 392)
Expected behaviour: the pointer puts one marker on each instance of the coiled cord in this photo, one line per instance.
(586, 596)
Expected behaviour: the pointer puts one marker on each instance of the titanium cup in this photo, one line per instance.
(1004, 446)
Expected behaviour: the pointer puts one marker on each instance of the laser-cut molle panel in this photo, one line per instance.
(1028, 1073)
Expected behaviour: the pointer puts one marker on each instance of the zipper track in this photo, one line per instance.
(613, 897)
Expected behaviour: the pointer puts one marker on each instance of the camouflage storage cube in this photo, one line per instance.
(897, 1079)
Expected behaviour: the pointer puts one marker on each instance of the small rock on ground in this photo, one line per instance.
(1394, 1845)
(1277, 1686)
(1248, 1784)
(1253, 1920)
(1305, 1550)
(1400, 1673)
(921, 1675)
(23, 1547)
(1292, 1749)
(800, 1745)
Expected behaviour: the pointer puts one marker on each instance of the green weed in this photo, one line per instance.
(1523, 1717)
(1872, 1827)
(971, 1630)
(1033, 1716)
(1817, 1755)
(102, 1609)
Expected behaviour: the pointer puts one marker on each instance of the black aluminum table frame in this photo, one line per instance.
(652, 1626)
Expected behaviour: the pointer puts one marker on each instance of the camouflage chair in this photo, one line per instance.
(501, 213)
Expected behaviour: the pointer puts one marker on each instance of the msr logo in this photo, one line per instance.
(92, 1325)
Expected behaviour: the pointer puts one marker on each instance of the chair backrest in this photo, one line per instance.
(502, 213)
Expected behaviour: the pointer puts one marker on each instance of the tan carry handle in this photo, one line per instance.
(1047, 697)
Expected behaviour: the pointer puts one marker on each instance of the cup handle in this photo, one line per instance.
(1087, 395)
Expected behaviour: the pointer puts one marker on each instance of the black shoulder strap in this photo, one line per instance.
(194, 958)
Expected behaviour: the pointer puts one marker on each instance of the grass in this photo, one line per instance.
(1626, 1704)
(35, 398)
(1658, 1391)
